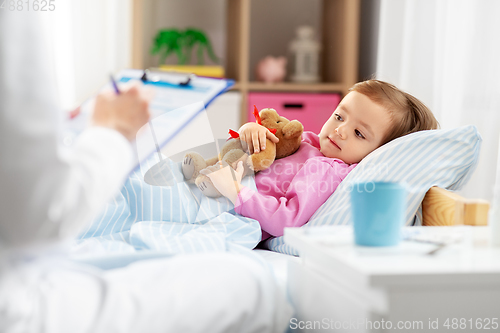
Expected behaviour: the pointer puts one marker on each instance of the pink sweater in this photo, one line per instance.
(293, 188)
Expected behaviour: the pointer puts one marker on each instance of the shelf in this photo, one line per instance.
(289, 86)
(256, 28)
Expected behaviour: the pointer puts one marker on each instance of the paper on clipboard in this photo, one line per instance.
(172, 109)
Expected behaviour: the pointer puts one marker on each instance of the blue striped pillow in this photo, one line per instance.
(444, 158)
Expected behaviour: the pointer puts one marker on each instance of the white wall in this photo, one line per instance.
(91, 39)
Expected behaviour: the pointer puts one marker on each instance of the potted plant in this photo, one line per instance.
(182, 44)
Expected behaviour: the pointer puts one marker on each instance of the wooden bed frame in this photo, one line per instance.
(444, 208)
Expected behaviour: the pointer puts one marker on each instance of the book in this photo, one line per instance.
(211, 71)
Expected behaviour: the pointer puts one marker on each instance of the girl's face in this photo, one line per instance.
(355, 129)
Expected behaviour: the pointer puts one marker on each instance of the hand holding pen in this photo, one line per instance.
(125, 110)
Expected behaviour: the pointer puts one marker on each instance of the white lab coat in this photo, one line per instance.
(45, 199)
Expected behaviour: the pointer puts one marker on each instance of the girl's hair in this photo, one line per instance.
(407, 113)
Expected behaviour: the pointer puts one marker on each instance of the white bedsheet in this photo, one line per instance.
(278, 263)
(163, 220)
(180, 294)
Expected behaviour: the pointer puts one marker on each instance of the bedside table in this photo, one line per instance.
(340, 287)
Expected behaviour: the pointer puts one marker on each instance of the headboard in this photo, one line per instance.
(441, 207)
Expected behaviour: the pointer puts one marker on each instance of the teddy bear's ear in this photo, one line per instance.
(269, 114)
(292, 129)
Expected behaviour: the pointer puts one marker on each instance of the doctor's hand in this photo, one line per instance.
(225, 179)
(254, 136)
(126, 112)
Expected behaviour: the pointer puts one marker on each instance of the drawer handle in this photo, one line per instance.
(293, 105)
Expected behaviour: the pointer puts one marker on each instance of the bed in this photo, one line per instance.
(433, 165)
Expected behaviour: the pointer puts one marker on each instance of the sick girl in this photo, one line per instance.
(293, 188)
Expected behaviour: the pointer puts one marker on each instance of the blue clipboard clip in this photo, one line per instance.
(184, 79)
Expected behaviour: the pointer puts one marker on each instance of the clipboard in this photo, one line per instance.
(179, 99)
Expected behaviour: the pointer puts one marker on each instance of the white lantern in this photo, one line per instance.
(306, 51)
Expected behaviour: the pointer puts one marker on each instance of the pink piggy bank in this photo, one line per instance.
(271, 69)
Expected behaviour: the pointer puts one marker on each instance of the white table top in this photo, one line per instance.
(331, 249)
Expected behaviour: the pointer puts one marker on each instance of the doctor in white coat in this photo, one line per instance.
(45, 199)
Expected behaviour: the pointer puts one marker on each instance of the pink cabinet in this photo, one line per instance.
(312, 110)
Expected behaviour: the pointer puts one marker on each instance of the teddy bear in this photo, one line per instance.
(288, 132)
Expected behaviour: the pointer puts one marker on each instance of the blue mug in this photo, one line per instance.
(378, 213)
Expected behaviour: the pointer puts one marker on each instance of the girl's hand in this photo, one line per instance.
(253, 137)
(225, 179)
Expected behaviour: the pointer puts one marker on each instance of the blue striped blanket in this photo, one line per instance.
(167, 220)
